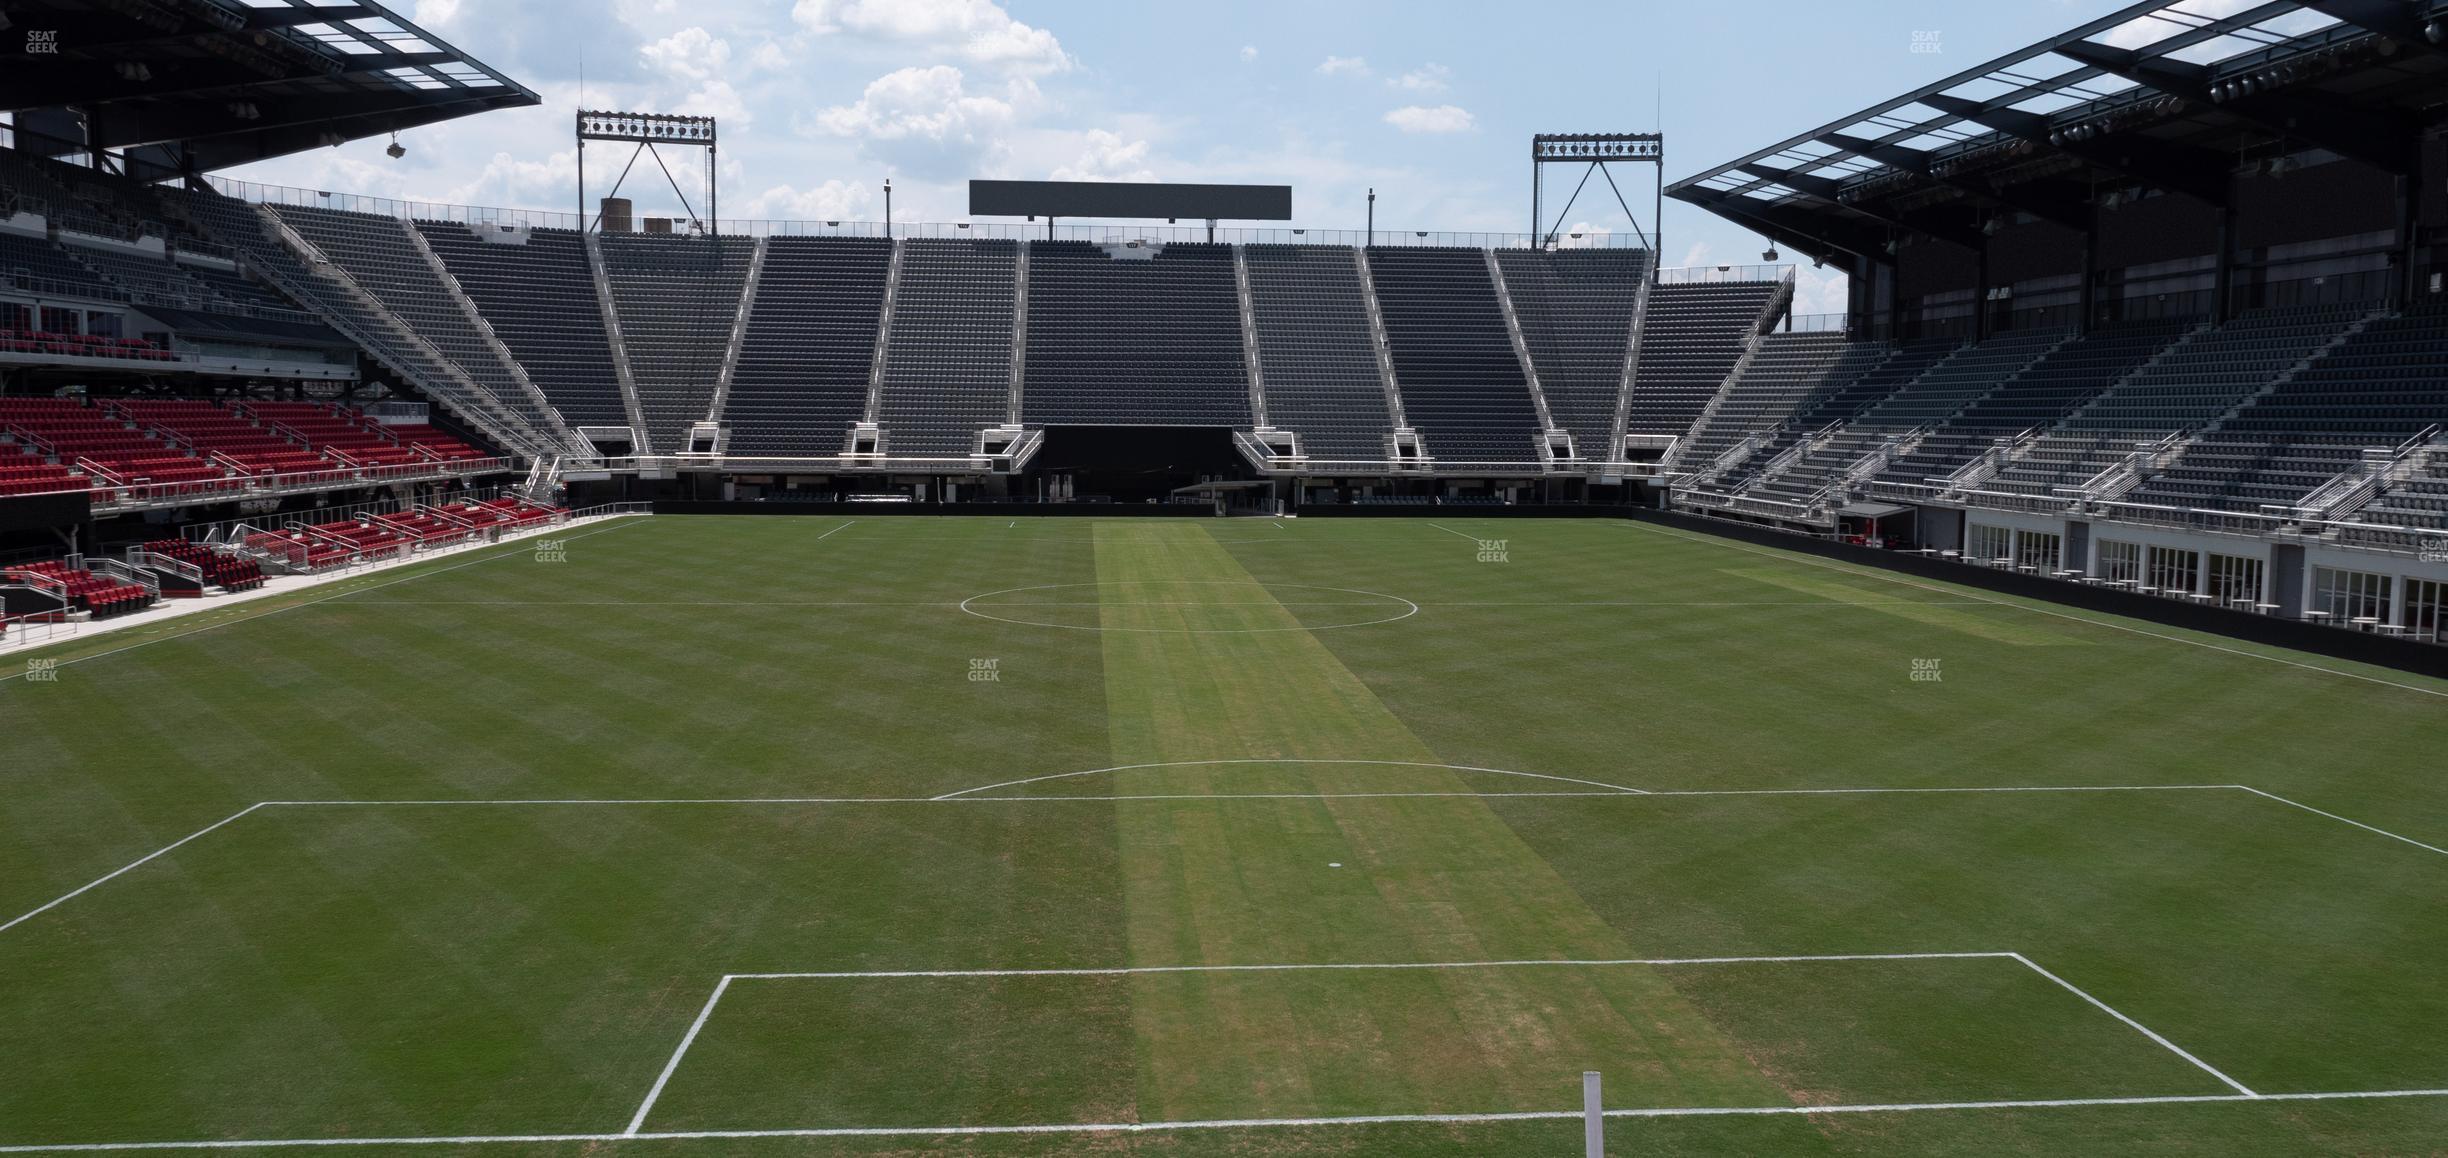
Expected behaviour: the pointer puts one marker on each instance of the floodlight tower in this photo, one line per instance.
(1598, 150)
(649, 130)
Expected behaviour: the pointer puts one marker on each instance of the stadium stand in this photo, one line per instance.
(540, 299)
(1462, 386)
(1893, 426)
(100, 596)
(2373, 391)
(34, 263)
(1321, 376)
(1575, 307)
(2060, 382)
(804, 365)
(675, 296)
(227, 570)
(1789, 371)
(2198, 379)
(947, 368)
(381, 256)
(1133, 340)
(1694, 334)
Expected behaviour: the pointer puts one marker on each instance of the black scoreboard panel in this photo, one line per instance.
(1130, 199)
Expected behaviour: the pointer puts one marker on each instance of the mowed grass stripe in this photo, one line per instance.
(1422, 879)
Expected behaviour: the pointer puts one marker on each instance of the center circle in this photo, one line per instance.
(1347, 607)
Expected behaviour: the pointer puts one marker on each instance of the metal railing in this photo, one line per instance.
(1698, 274)
(1007, 230)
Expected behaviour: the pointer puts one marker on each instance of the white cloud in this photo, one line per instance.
(1819, 291)
(689, 54)
(1583, 235)
(768, 57)
(720, 101)
(1422, 119)
(979, 31)
(1107, 157)
(1249, 52)
(1430, 77)
(832, 201)
(436, 13)
(924, 119)
(1344, 66)
(1698, 255)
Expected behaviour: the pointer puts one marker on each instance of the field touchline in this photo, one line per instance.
(1872, 574)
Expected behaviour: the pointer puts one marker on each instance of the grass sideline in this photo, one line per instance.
(437, 970)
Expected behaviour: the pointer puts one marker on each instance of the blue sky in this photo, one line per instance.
(1430, 102)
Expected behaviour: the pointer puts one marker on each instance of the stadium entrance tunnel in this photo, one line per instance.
(1132, 464)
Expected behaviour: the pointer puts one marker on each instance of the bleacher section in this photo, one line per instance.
(36, 264)
(2375, 390)
(1837, 402)
(379, 256)
(1575, 307)
(1131, 341)
(1692, 337)
(110, 451)
(2420, 501)
(1462, 386)
(2194, 382)
(99, 596)
(676, 297)
(804, 367)
(1891, 425)
(1313, 351)
(1791, 370)
(235, 224)
(221, 568)
(947, 369)
(2045, 392)
(540, 299)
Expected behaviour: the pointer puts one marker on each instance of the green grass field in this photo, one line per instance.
(975, 825)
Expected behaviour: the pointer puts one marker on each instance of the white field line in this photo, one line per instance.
(97, 882)
(1369, 966)
(1451, 531)
(712, 999)
(1872, 574)
(2137, 1027)
(1210, 763)
(625, 521)
(1271, 603)
(834, 531)
(2343, 820)
(1941, 790)
(1223, 1123)
(969, 796)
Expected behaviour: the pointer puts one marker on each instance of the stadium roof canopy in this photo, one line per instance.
(2171, 94)
(194, 85)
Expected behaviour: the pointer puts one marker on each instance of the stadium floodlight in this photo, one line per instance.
(1594, 150)
(647, 130)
